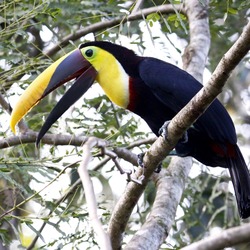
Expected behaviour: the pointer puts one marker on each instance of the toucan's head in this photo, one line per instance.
(107, 63)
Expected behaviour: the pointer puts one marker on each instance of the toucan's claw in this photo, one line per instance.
(141, 164)
(173, 153)
(158, 168)
(140, 160)
(163, 131)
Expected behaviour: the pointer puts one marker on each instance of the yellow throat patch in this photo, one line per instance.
(111, 75)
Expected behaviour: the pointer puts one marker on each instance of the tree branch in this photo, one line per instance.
(141, 142)
(72, 140)
(51, 139)
(195, 55)
(6, 106)
(170, 185)
(102, 238)
(207, 94)
(137, 6)
(163, 9)
(226, 238)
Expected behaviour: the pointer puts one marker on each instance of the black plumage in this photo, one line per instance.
(159, 90)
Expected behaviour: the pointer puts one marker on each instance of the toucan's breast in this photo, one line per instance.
(145, 104)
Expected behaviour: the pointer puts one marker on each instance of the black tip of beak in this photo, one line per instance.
(80, 86)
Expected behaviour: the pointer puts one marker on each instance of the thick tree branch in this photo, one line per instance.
(226, 238)
(202, 100)
(170, 185)
(195, 54)
(159, 223)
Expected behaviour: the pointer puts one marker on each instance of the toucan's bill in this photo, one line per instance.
(73, 65)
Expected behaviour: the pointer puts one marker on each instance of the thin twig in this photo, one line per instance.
(122, 170)
(137, 6)
(6, 106)
(102, 237)
(141, 142)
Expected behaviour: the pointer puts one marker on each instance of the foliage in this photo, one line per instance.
(28, 29)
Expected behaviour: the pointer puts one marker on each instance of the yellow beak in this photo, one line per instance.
(73, 65)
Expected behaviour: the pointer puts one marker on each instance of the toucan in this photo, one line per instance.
(151, 88)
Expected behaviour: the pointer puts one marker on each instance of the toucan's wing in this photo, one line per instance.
(175, 88)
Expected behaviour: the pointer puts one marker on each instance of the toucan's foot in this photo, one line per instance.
(140, 160)
(141, 164)
(173, 153)
(163, 131)
(158, 169)
(184, 138)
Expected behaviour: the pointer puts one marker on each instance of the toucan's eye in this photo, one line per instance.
(89, 53)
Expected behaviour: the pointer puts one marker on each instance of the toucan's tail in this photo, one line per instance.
(241, 181)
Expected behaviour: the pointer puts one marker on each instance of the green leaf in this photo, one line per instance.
(154, 17)
(232, 11)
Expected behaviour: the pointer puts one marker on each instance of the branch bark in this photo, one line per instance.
(170, 184)
(50, 139)
(226, 238)
(195, 54)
